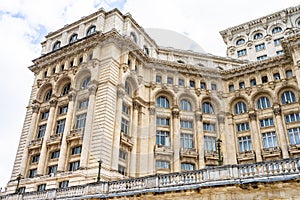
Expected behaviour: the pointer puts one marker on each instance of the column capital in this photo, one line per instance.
(120, 91)
(152, 110)
(221, 118)
(198, 116)
(53, 102)
(277, 110)
(35, 108)
(72, 95)
(175, 112)
(136, 105)
(252, 115)
(92, 89)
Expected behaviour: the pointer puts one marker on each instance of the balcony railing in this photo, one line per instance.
(272, 171)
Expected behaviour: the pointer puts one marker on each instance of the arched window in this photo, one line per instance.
(91, 30)
(162, 102)
(276, 30)
(48, 95)
(288, 97)
(185, 105)
(85, 82)
(207, 108)
(66, 89)
(263, 102)
(56, 45)
(133, 37)
(240, 108)
(240, 41)
(257, 36)
(146, 50)
(127, 88)
(73, 38)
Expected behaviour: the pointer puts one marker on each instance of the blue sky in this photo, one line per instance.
(24, 23)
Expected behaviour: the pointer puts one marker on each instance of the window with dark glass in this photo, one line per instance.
(73, 166)
(264, 79)
(263, 102)
(83, 104)
(242, 52)
(276, 76)
(76, 150)
(32, 173)
(186, 124)
(288, 97)
(202, 85)
(41, 187)
(260, 47)
(66, 89)
(163, 138)
(54, 154)
(160, 164)
(277, 41)
(45, 115)
(258, 36)
(52, 169)
(125, 126)
(63, 110)
(56, 45)
(192, 83)
(245, 143)
(253, 82)
(263, 57)
(125, 109)
(133, 37)
(209, 144)
(35, 158)
(242, 127)
(280, 52)
(63, 184)
(60, 126)
(231, 87)
(170, 80)
(48, 95)
(80, 121)
(162, 102)
(242, 85)
(158, 79)
(288, 73)
(294, 135)
(269, 139)
(122, 170)
(276, 30)
(122, 154)
(162, 121)
(187, 166)
(293, 117)
(181, 82)
(209, 127)
(240, 41)
(266, 122)
(186, 140)
(41, 131)
(62, 67)
(213, 86)
(240, 108)
(207, 108)
(85, 82)
(185, 105)
(73, 38)
(91, 30)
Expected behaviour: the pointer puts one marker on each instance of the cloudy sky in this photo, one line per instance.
(24, 23)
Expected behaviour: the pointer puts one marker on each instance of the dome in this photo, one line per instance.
(168, 38)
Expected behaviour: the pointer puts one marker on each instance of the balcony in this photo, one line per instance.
(36, 143)
(246, 157)
(271, 153)
(126, 140)
(54, 139)
(163, 150)
(75, 134)
(294, 150)
(211, 158)
(188, 153)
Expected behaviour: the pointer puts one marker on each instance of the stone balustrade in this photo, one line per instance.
(272, 171)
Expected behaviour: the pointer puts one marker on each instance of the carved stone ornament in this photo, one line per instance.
(277, 110)
(198, 116)
(175, 112)
(152, 110)
(252, 115)
(120, 92)
(136, 105)
(53, 102)
(71, 96)
(221, 118)
(35, 108)
(92, 89)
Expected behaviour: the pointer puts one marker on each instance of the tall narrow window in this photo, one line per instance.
(163, 138)
(73, 166)
(80, 121)
(66, 89)
(162, 102)
(48, 95)
(42, 130)
(186, 140)
(240, 108)
(85, 82)
(269, 139)
(185, 105)
(245, 143)
(91, 30)
(288, 97)
(294, 135)
(207, 108)
(125, 126)
(209, 144)
(60, 126)
(263, 102)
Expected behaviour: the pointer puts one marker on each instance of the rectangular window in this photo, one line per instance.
(288, 73)
(187, 166)
(245, 143)
(170, 80)
(192, 83)
(277, 41)
(242, 85)
(63, 110)
(264, 79)
(294, 135)
(213, 86)
(41, 187)
(186, 124)
(260, 47)
(280, 52)
(209, 127)
(266, 122)
(22, 190)
(160, 164)
(202, 85)
(158, 79)
(161, 121)
(90, 56)
(73, 166)
(186, 140)
(35, 158)
(122, 154)
(32, 173)
(42, 130)
(60, 126)
(63, 184)
(209, 144)
(76, 150)
(122, 170)
(83, 104)
(125, 109)
(276, 76)
(125, 126)
(292, 117)
(163, 138)
(242, 52)
(45, 115)
(54, 154)
(52, 169)
(181, 82)
(242, 127)
(231, 88)
(269, 139)
(253, 82)
(80, 121)
(263, 57)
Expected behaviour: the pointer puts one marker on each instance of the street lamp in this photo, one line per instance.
(99, 170)
(219, 141)
(18, 179)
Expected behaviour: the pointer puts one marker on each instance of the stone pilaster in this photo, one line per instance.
(200, 138)
(152, 139)
(255, 135)
(176, 139)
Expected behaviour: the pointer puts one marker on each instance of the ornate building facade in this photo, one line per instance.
(107, 96)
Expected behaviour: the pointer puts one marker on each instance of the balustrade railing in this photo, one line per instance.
(285, 169)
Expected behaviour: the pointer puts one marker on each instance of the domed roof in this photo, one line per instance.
(168, 38)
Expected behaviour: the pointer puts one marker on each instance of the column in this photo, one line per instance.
(84, 158)
(297, 74)
(64, 147)
(221, 134)
(176, 139)
(280, 132)
(229, 151)
(200, 139)
(255, 135)
(43, 153)
(133, 157)
(152, 139)
(116, 137)
(35, 110)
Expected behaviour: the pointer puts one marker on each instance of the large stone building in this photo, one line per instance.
(108, 95)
